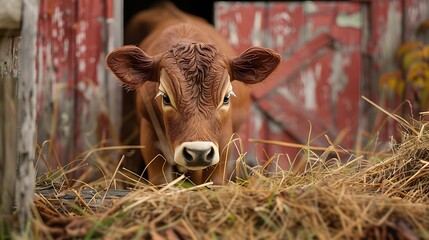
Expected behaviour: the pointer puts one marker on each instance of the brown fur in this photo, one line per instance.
(195, 59)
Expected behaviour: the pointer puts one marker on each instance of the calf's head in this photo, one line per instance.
(194, 92)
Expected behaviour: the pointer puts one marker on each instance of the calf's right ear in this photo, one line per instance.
(132, 66)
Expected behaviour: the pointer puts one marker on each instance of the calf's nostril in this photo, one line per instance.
(187, 155)
(210, 155)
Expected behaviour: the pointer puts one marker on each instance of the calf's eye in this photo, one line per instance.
(226, 99)
(166, 100)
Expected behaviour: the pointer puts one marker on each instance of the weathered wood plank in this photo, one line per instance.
(56, 74)
(386, 33)
(9, 73)
(79, 101)
(94, 199)
(27, 102)
(114, 34)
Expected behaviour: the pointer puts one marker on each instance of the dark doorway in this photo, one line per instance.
(199, 8)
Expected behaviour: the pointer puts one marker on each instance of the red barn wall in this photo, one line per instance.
(77, 100)
(333, 53)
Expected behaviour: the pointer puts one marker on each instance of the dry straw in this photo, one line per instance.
(371, 196)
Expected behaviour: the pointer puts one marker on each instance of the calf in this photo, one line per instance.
(191, 93)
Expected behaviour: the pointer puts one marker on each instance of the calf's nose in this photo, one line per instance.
(196, 155)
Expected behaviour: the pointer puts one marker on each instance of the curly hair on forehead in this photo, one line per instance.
(195, 61)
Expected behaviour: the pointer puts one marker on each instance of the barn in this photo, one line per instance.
(59, 104)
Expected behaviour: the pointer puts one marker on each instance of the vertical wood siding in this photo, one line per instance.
(78, 101)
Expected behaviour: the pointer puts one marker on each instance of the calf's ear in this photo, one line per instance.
(132, 66)
(254, 65)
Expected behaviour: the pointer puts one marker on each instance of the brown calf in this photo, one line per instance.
(191, 93)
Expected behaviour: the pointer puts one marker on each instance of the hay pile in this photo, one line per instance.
(377, 196)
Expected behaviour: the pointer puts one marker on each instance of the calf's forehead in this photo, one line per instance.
(196, 70)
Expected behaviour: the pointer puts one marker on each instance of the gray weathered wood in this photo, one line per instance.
(113, 92)
(27, 102)
(9, 65)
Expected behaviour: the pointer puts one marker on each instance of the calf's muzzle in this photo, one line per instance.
(196, 155)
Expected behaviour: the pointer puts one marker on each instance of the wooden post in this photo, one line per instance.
(10, 17)
(9, 51)
(27, 102)
(114, 90)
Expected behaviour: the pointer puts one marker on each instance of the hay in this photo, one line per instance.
(376, 196)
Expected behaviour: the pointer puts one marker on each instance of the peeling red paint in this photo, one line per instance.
(309, 88)
(71, 45)
(335, 50)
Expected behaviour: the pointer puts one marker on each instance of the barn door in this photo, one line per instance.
(316, 90)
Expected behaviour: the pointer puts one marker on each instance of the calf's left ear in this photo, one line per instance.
(254, 65)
